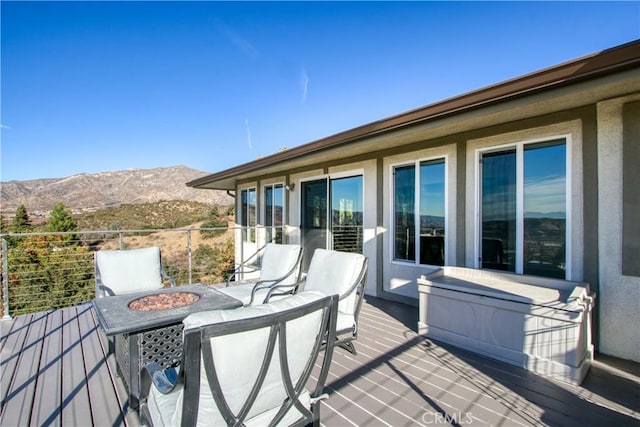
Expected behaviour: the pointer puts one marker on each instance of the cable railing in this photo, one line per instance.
(348, 238)
(46, 271)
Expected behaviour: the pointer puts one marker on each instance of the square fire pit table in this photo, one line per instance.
(147, 329)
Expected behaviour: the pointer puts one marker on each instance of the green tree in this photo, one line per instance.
(20, 223)
(215, 220)
(61, 220)
(45, 274)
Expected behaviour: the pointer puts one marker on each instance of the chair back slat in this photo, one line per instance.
(259, 363)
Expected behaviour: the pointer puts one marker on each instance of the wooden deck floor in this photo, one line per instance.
(54, 371)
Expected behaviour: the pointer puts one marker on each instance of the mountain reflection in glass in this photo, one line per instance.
(545, 212)
(404, 212)
(499, 210)
(432, 200)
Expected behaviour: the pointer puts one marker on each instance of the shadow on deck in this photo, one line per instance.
(56, 371)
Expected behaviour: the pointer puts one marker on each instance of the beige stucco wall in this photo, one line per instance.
(619, 296)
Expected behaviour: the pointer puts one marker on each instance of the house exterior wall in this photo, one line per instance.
(590, 115)
(619, 295)
(595, 136)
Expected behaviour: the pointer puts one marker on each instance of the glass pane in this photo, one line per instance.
(346, 214)
(499, 210)
(251, 214)
(268, 213)
(432, 199)
(274, 208)
(244, 218)
(545, 209)
(268, 204)
(314, 218)
(278, 212)
(404, 213)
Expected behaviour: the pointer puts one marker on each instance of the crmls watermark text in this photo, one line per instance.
(437, 418)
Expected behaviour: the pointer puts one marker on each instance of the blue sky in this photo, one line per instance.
(101, 86)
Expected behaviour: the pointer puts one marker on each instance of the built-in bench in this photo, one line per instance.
(542, 325)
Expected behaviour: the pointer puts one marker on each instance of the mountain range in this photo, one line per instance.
(90, 192)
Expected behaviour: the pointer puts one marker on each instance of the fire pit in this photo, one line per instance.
(163, 301)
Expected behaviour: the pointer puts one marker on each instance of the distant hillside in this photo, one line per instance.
(90, 192)
(145, 216)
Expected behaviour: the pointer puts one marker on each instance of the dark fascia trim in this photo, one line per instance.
(589, 67)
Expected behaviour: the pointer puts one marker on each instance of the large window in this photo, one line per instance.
(419, 209)
(248, 214)
(524, 209)
(274, 212)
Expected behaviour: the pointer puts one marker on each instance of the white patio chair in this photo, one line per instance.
(280, 264)
(248, 366)
(132, 270)
(126, 271)
(342, 273)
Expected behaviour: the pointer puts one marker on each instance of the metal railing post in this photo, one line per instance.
(242, 240)
(5, 280)
(189, 254)
(121, 234)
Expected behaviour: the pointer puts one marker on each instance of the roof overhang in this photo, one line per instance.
(571, 84)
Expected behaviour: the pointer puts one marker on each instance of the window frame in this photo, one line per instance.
(519, 147)
(244, 216)
(273, 186)
(416, 163)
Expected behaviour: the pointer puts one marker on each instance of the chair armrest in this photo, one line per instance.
(247, 264)
(164, 379)
(283, 290)
(104, 291)
(246, 268)
(164, 275)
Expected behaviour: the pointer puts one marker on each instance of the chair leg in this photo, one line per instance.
(349, 346)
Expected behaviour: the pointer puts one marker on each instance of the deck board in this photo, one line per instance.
(56, 370)
(106, 407)
(14, 333)
(47, 399)
(23, 384)
(76, 409)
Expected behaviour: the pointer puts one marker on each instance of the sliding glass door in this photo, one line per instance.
(332, 215)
